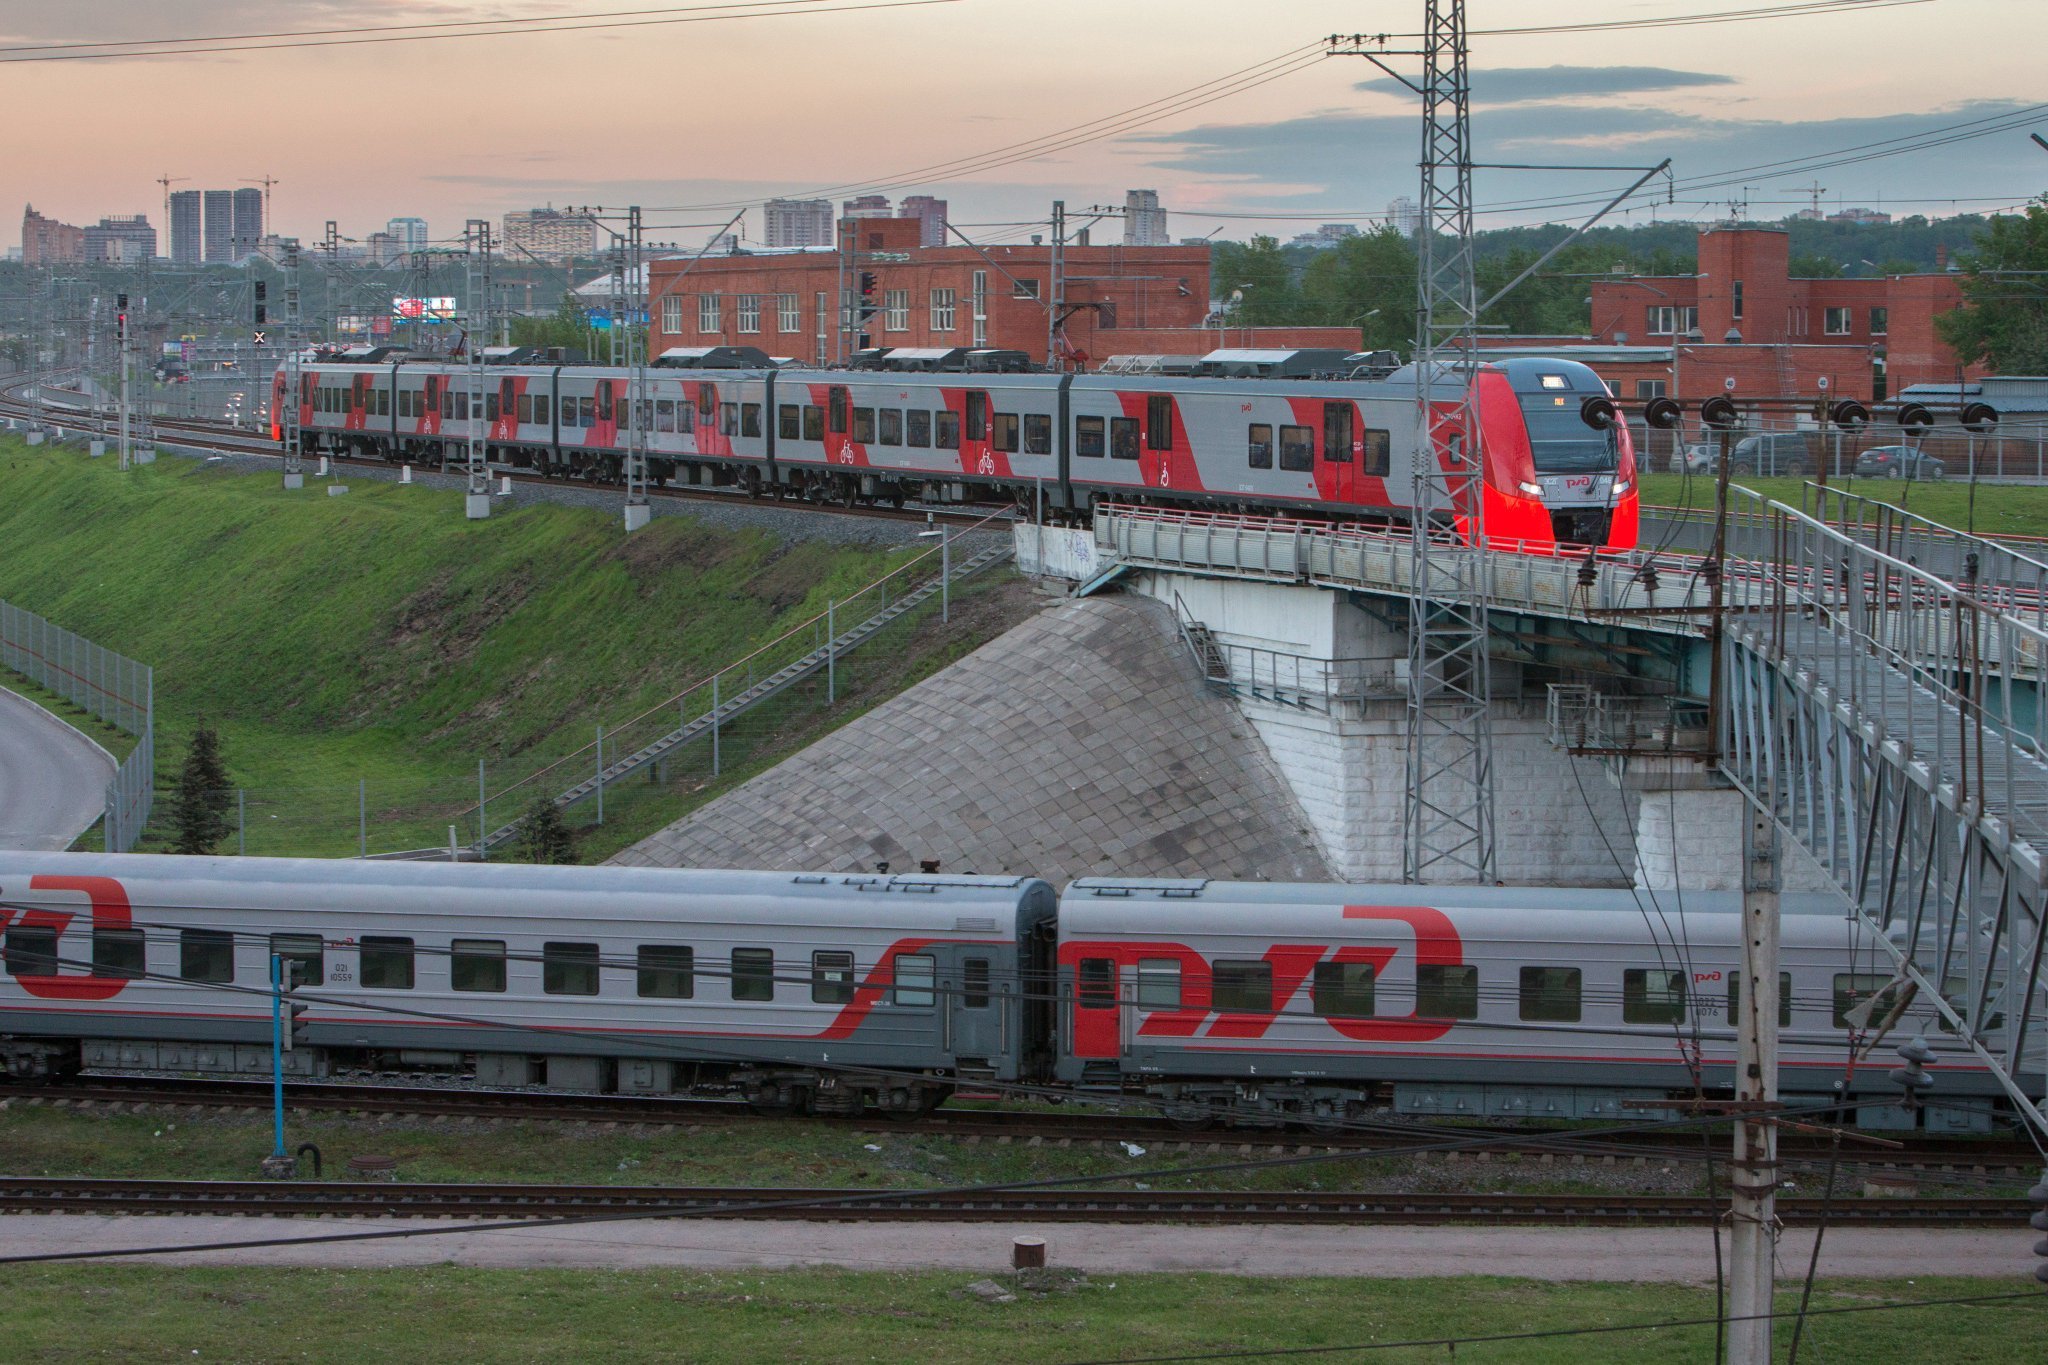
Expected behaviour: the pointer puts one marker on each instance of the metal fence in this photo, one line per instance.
(116, 689)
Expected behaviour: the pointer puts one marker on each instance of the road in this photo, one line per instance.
(53, 780)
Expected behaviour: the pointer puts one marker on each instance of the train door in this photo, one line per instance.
(1339, 481)
(1098, 1029)
(975, 1007)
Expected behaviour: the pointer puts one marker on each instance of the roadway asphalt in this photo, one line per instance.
(1646, 1255)
(53, 780)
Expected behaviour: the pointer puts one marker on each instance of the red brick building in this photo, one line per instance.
(45, 241)
(1118, 300)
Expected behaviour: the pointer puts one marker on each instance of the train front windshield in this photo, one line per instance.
(1560, 440)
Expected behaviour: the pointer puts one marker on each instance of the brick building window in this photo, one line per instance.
(1737, 301)
(750, 313)
(672, 315)
(789, 314)
(979, 301)
(1666, 320)
(1880, 319)
(709, 307)
(1026, 288)
(1649, 388)
(896, 308)
(942, 310)
(1836, 321)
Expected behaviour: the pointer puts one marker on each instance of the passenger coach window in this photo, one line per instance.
(1123, 438)
(118, 952)
(665, 415)
(1158, 983)
(1379, 453)
(728, 419)
(892, 426)
(387, 963)
(831, 978)
(586, 412)
(1784, 997)
(568, 968)
(306, 952)
(1337, 433)
(788, 422)
(1258, 445)
(686, 418)
(974, 985)
(863, 426)
(1852, 990)
(203, 955)
(477, 964)
(917, 979)
(917, 429)
(753, 974)
(1037, 434)
(1447, 992)
(1006, 431)
(666, 971)
(1097, 983)
(1243, 987)
(1297, 449)
(1159, 422)
(946, 430)
(750, 419)
(1550, 994)
(1649, 997)
(1088, 437)
(1343, 990)
(33, 952)
(814, 422)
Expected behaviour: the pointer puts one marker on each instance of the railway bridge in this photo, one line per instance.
(1869, 677)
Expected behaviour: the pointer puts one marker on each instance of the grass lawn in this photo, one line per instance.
(382, 639)
(113, 1311)
(2000, 509)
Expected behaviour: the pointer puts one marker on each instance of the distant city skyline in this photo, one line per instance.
(1742, 108)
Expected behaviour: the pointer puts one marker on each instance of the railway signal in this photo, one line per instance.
(262, 312)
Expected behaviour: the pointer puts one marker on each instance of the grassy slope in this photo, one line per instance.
(379, 635)
(2001, 509)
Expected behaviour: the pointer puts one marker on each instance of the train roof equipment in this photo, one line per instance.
(713, 358)
(1150, 364)
(1298, 363)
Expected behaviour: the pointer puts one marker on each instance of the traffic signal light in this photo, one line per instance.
(262, 313)
(120, 317)
(867, 295)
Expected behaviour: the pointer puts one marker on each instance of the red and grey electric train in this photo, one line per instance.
(1558, 466)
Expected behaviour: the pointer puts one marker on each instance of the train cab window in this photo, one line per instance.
(892, 426)
(1445, 992)
(1258, 445)
(1158, 983)
(1853, 988)
(974, 984)
(728, 419)
(788, 422)
(1088, 437)
(664, 414)
(1037, 434)
(118, 952)
(917, 980)
(1242, 988)
(750, 419)
(1006, 432)
(302, 958)
(1784, 998)
(386, 963)
(1096, 982)
(1123, 438)
(753, 974)
(863, 426)
(1652, 997)
(831, 978)
(976, 426)
(568, 968)
(1337, 433)
(1343, 990)
(586, 413)
(1297, 449)
(667, 971)
(1159, 422)
(814, 422)
(477, 964)
(1379, 453)
(946, 430)
(917, 429)
(836, 404)
(203, 955)
(33, 952)
(1551, 994)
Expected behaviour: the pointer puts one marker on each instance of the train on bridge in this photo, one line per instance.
(1253, 431)
(1253, 1003)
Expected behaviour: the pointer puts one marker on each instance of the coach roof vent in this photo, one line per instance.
(713, 358)
(1263, 364)
(1150, 364)
(986, 361)
(514, 355)
(366, 355)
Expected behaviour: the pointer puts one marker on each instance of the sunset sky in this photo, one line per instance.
(684, 117)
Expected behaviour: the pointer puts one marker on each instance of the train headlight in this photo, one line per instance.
(1533, 490)
(1621, 487)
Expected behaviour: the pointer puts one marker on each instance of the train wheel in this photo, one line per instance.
(1189, 1118)
(849, 493)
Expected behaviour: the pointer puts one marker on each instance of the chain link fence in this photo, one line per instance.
(114, 688)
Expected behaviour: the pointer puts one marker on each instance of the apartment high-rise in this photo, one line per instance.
(1405, 217)
(188, 240)
(409, 233)
(128, 240)
(931, 213)
(246, 228)
(45, 241)
(866, 206)
(218, 208)
(797, 222)
(549, 233)
(1144, 220)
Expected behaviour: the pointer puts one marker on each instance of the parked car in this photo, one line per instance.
(1695, 459)
(1898, 462)
(1789, 453)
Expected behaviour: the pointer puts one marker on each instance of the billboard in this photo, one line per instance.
(423, 310)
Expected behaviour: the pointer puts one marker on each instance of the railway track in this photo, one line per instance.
(117, 1094)
(386, 1199)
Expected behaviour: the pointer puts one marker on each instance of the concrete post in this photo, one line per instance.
(241, 822)
(362, 817)
(714, 725)
(831, 652)
(482, 829)
(946, 576)
(600, 774)
(1753, 1179)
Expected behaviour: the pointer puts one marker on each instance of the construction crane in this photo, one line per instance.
(167, 180)
(1816, 190)
(266, 181)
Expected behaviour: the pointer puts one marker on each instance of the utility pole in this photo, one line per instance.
(291, 423)
(476, 241)
(1056, 308)
(1753, 1181)
(629, 349)
(121, 339)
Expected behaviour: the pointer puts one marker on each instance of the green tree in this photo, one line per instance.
(543, 836)
(1814, 266)
(1368, 282)
(1256, 283)
(199, 807)
(2004, 318)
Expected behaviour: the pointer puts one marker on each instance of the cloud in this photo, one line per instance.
(1523, 84)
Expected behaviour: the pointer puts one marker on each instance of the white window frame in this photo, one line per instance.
(945, 309)
(1880, 320)
(789, 314)
(1831, 315)
(672, 315)
(896, 310)
(710, 307)
(749, 313)
(979, 300)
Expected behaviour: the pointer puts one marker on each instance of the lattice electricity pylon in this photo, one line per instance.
(291, 422)
(629, 352)
(476, 241)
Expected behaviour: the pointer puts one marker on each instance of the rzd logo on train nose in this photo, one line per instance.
(109, 911)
